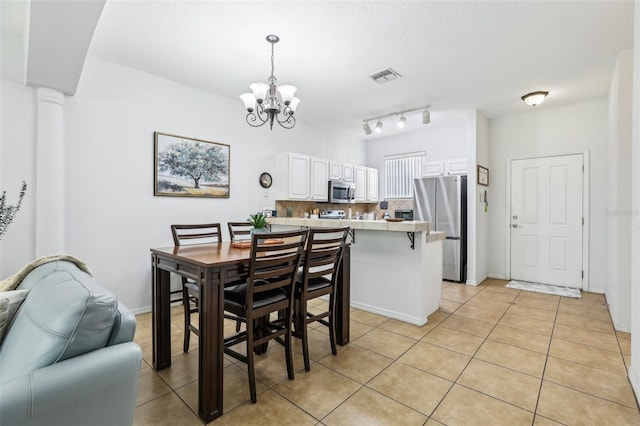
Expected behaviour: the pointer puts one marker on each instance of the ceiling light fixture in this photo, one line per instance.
(402, 121)
(534, 98)
(426, 115)
(269, 104)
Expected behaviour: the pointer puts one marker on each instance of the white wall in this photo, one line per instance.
(482, 216)
(17, 164)
(571, 129)
(619, 187)
(112, 217)
(634, 371)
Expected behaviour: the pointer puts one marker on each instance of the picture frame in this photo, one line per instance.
(483, 176)
(189, 167)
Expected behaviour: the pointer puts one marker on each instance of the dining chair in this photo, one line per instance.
(319, 277)
(193, 234)
(239, 229)
(269, 288)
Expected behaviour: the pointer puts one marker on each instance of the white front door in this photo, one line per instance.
(546, 220)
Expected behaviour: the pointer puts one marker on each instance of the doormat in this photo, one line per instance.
(545, 288)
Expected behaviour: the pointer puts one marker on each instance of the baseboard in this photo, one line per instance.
(472, 283)
(143, 310)
(389, 314)
(635, 383)
(598, 290)
(497, 276)
(625, 328)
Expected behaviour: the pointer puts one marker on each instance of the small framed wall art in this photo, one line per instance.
(187, 167)
(483, 176)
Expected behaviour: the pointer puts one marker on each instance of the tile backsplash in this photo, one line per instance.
(300, 207)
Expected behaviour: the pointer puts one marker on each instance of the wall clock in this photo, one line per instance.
(265, 180)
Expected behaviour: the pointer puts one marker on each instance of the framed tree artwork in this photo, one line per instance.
(187, 167)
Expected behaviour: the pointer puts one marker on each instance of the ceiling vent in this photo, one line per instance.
(385, 76)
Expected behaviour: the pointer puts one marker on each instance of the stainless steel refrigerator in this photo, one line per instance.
(443, 202)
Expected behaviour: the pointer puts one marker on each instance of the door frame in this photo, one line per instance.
(585, 212)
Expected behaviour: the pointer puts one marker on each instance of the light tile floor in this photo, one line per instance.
(490, 356)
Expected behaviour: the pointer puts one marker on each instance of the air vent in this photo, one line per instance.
(385, 76)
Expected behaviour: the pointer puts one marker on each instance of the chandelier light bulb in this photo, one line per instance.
(379, 126)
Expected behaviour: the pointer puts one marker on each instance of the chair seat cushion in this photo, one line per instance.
(315, 284)
(235, 298)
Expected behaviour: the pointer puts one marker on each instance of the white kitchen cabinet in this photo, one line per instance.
(292, 177)
(319, 179)
(433, 168)
(361, 183)
(372, 184)
(335, 170)
(348, 172)
(456, 166)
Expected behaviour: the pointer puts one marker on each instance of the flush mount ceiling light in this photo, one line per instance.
(402, 121)
(270, 100)
(534, 98)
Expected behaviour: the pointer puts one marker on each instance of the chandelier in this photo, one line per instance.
(274, 103)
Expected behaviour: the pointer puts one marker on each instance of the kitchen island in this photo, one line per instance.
(396, 267)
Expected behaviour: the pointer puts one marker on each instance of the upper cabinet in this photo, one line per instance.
(319, 179)
(432, 168)
(292, 176)
(302, 177)
(335, 170)
(361, 183)
(457, 166)
(372, 184)
(366, 179)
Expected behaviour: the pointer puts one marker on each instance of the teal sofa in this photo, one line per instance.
(68, 357)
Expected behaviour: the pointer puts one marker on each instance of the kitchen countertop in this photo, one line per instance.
(373, 225)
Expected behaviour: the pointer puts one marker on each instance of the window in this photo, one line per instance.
(400, 171)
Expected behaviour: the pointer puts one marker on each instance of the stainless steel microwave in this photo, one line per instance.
(341, 192)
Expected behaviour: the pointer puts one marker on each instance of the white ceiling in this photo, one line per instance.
(451, 54)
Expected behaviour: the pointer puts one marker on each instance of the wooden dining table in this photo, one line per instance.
(213, 266)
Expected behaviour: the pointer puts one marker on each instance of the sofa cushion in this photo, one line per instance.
(10, 301)
(66, 314)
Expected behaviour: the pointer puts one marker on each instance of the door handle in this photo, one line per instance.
(515, 225)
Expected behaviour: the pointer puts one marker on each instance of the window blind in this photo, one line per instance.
(400, 171)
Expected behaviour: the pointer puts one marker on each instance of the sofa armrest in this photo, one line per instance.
(124, 326)
(96, 388)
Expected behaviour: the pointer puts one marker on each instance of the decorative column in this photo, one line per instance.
(49, 186)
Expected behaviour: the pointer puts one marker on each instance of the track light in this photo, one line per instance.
(426, 116)
(402, 121)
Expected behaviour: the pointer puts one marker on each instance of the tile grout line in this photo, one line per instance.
(546, 360)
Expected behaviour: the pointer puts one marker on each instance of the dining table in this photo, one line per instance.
(213, 266)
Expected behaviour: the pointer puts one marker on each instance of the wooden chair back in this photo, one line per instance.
(239, 229)
(196, 234)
